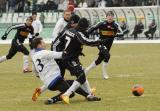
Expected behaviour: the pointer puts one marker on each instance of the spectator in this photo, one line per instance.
(42, 18)
(102, 3)
(51, 5)
(125, 29)
(138, 29)
(11, 5)
(152, 29)
(91, 3)
(83, 4)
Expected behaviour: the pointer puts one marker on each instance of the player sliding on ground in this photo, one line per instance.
(75, 39)
(23, 30)
(107, 30)
(49, 72)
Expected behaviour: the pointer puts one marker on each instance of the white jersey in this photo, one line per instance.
(37, 26)
(58, 28)
(45, 66)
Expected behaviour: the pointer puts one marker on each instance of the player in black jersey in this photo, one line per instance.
(23, 30)
(59, 42)
(75, 39)
(108, 30)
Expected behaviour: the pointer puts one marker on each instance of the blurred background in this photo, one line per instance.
(128, 12)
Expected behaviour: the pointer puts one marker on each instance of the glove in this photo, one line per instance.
(36, 34)
(4, 37)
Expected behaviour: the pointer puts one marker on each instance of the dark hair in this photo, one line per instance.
(30, 18)
(110, 13)
(83, 23)
(36, 42)
(34, 13)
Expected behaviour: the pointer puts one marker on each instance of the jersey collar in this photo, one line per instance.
(38, 49)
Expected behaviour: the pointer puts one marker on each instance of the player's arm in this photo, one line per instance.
(52, 54)
(94, 27)
(85, 41)
(11, 28)
(119, 30)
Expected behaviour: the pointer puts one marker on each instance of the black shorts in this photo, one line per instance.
(15, 47)
(60, 85)
(75, 68)
(102, 57)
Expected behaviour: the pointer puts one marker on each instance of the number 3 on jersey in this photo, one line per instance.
(68, 39)
(40, 65)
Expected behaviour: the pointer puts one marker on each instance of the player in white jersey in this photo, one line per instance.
(37, 26)
(48, 70)
(60, 25)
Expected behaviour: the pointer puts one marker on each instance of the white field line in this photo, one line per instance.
(48, 41)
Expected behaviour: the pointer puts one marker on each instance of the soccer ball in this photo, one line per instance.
(137, 90)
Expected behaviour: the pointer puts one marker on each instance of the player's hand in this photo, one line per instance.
(103, 49)
(4, 37)
(36, 34)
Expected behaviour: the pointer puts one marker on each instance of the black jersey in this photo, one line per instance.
(74, 41)
(22, 32)
(106, 30)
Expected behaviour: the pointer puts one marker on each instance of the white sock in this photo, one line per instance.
(104, 70)
(25, 62)
(32, 52)
(86, 87)
(43, 88)
(2, 59)
(92, 65)
(73, 88)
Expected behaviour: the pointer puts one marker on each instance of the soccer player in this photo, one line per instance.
(23, 30)
(108, 30)
(61, 23)
(48, 70)
(75, 39)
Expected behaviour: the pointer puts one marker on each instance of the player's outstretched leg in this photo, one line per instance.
(91, 66)
(26, 64)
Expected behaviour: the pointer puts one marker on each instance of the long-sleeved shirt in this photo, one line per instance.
(58, 28)
(22, 32)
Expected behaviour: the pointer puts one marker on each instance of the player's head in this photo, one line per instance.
(71, 8)
(29, 21)
(74, 20)
(67, 14)
(38, 43)
(83, 24)
(110, 16)
(34, 15)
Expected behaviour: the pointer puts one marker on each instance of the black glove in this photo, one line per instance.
(36, 34)
(4, 37)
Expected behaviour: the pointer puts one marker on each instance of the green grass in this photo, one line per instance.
(130, 64)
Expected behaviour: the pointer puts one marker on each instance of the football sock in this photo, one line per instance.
(86, 87)
(80, 91)
(104, 70)
(73, 88)
(43, 88)
(25, 62)
(92, 65)
(3, 58)
(31, 52)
